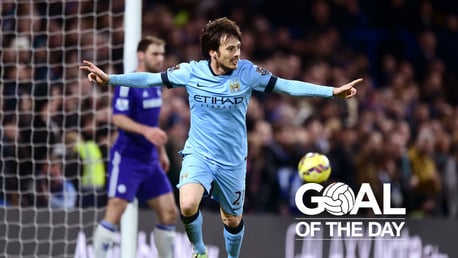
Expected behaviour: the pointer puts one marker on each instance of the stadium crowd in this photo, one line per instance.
(401, 129)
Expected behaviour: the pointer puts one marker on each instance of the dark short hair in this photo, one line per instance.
(214, 31)
(146, 41)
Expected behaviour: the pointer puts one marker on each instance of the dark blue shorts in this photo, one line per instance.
(129, 178)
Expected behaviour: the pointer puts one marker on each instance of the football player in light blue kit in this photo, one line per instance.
(219, 89)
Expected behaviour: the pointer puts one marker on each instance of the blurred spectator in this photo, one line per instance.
(90, 173)
(262, 193)
(53, 189)
(402, 174)
(426, 180)
(341, 156)
(71, 107)
(369, 162)
(319, 138)
(446, 166)
(15, 165)
(44, 132)
(450, 180)
(281, 156)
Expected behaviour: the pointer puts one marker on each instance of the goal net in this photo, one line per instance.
(55, 125)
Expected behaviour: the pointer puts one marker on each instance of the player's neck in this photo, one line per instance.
(218, 69)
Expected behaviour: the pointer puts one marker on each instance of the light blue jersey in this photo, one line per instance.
(218, 108)
(219, 103)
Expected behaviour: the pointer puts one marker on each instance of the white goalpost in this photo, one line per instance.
(132, 35)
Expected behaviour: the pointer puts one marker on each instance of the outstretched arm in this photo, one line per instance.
(299, 88)
(137, 80)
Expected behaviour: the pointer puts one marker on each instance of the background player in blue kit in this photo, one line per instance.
(219, 89)
(138, 158)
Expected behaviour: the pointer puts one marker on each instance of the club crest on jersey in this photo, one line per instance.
(261, 70)
(234, 86)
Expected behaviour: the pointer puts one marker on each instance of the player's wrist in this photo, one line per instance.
(336, 91)
(142, 129)
(109, 79)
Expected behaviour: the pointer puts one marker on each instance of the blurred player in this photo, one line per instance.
(138, 158)
(219, 88)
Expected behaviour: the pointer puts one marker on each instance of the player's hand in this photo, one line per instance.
(95, 74)
(348, 90)
(155, 135)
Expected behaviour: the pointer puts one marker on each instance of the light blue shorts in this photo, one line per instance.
(226, 185)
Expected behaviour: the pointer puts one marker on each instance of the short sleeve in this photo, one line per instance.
(259, 78)
(177, 76)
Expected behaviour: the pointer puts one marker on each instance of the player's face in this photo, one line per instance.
(154, 58)
(227, 57)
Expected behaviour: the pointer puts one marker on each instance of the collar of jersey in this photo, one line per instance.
(211, 70)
